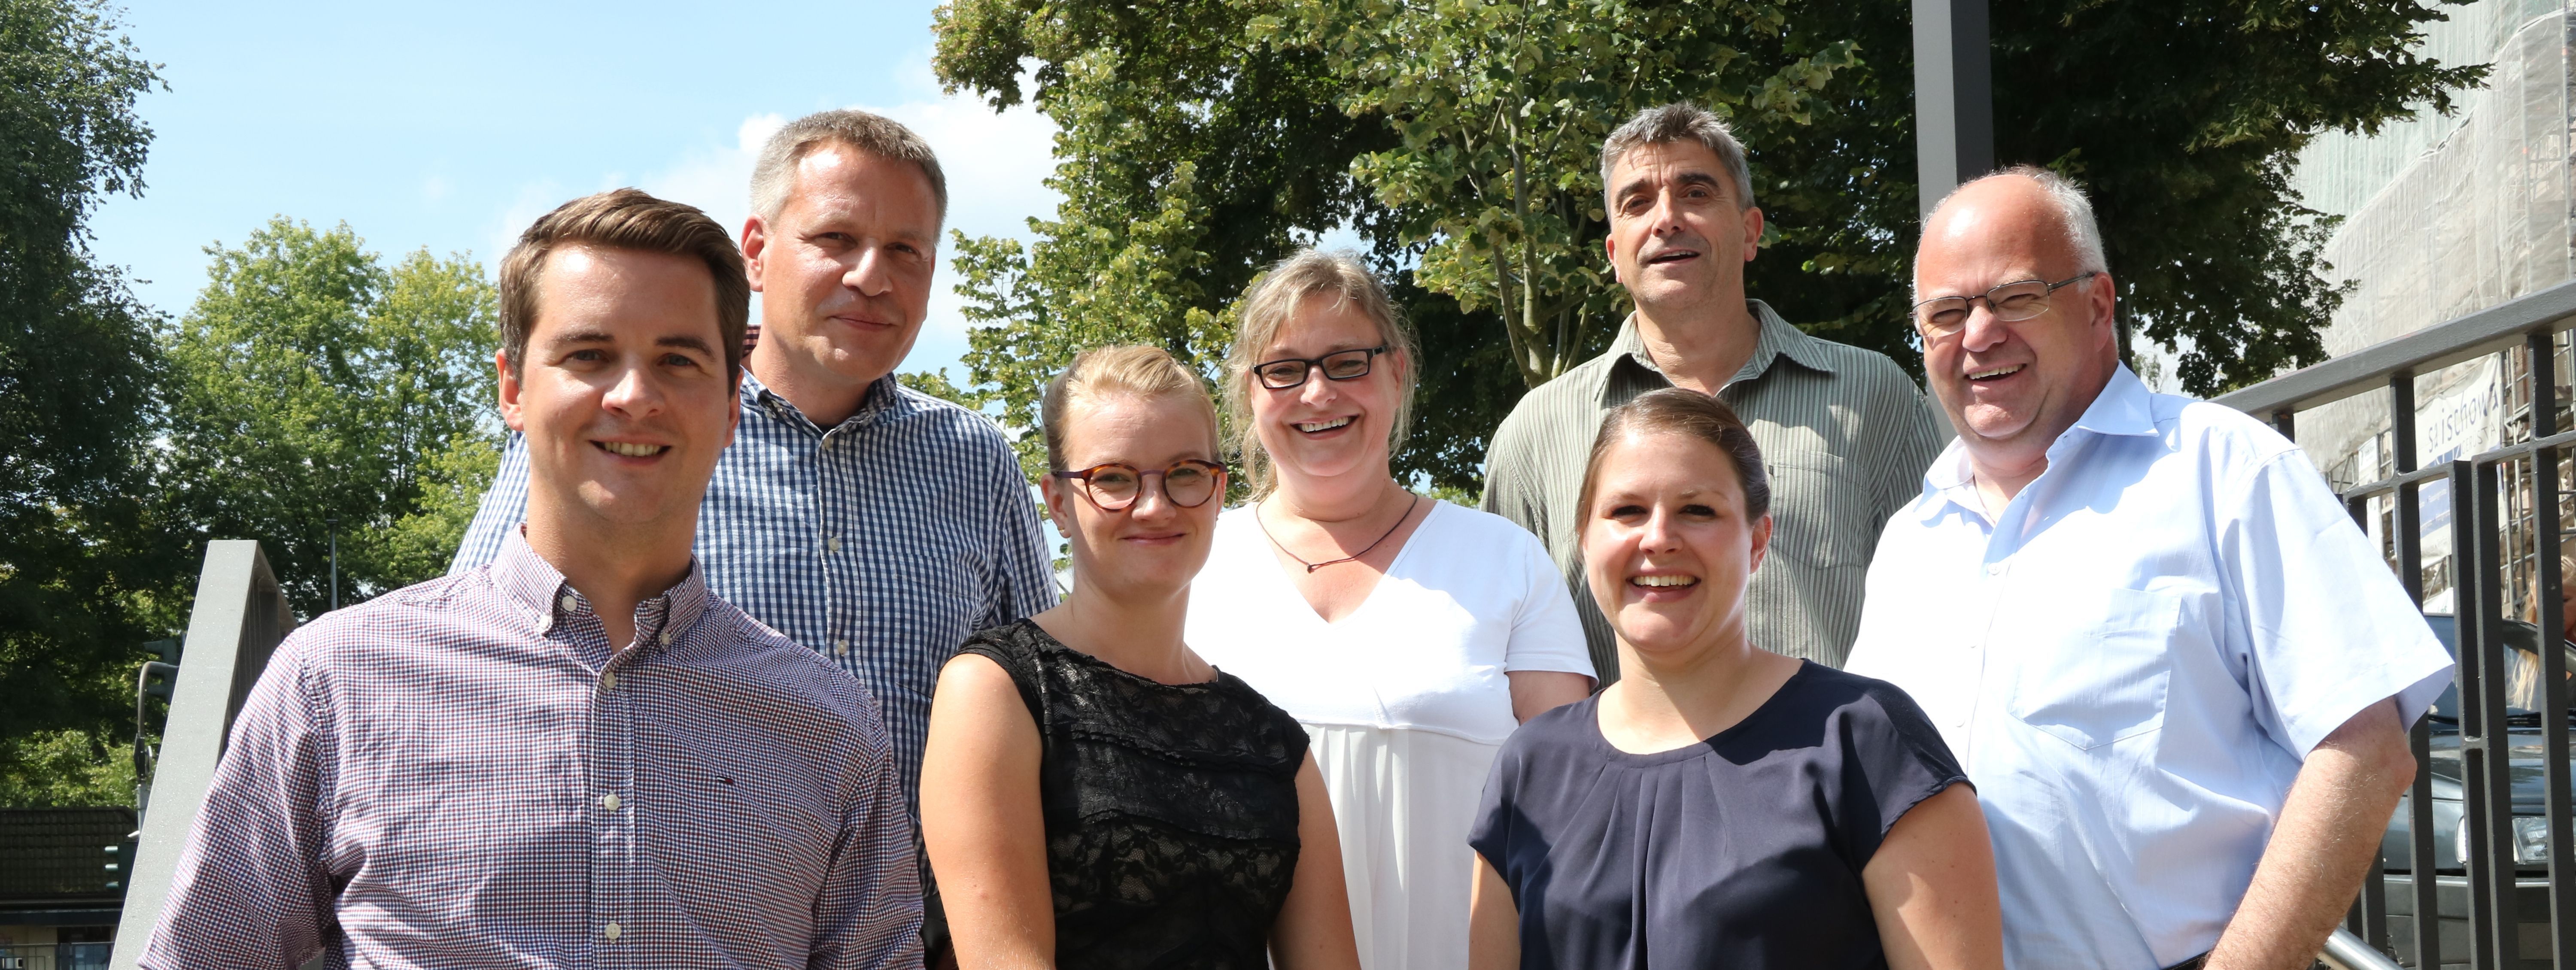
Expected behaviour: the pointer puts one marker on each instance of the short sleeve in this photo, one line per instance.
(1010, 649)
(2326, 629)
(1894, 760)
(1490, 833)
(252, 888)
(1546, 635)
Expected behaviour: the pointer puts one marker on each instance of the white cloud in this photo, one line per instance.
(718, 178)
(997, 165)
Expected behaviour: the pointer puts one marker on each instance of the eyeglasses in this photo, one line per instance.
(2014, 302)
(1340, 365)
(1112, 486)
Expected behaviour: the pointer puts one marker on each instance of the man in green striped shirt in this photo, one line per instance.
(1845, 432)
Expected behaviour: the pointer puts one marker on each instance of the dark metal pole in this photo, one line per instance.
(2422, 903)
(1954, 106)
(2543, 348)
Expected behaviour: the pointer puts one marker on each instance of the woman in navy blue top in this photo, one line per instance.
(1722, 805)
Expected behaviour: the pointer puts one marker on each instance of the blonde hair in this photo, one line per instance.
(1269, 304)
(1136, 370)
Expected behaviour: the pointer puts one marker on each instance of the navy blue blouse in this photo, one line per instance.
(1742, 851)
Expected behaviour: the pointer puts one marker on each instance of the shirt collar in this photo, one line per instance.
(882, 396)
(2124, 408)
(529, 581)
(1778, 338)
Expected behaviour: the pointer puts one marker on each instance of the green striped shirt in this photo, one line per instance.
(1846, 436)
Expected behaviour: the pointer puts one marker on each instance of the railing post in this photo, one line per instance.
(2485, 759)
(2423, 856)
(239, 616)
(2556, 803)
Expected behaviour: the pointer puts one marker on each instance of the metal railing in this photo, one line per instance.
(2497, 918)
(239, 616)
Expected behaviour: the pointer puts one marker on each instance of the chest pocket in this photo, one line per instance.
(2097, 665)
(1820, 510)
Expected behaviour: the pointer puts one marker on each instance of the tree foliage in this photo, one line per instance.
(1201, 139)
(77, 573)
(311, 383)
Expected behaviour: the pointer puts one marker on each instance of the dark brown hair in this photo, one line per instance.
(1689, 414)
(624, 219)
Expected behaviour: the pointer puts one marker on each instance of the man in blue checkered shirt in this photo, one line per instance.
(576, 757)
(871, 522)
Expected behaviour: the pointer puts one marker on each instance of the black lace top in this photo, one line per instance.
(1171, 810)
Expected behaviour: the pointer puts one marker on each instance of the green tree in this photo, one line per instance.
(309, 383)
(1199, 140)
(78, 577)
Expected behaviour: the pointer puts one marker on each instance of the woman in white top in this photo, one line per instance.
(1408, 635)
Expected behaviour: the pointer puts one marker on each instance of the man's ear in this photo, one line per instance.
(1610, 248)
(1752, 231)
(755, 245)
(509, 386)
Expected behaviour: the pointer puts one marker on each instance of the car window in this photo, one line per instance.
(2522, 663)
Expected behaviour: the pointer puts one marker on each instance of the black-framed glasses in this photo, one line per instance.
(1340, 365)
(1115, 485)
(2012, 302)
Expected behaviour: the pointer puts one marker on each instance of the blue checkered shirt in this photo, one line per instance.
(464, 773)
(881, 542)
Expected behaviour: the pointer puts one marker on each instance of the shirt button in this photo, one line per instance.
(608, 681)
(827, 443)
(609, 801)
(665, 638)
(832, 545)
(611, 932)
(1994, 569)
(840, 644)
(570, 604)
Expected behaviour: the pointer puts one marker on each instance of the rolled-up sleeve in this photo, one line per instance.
(1025, 583)
(251, 889)
(504, 506)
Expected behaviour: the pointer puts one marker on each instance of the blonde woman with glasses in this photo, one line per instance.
(1095, 794)
(1410, 636)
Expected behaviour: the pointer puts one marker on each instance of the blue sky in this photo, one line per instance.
(452, 125)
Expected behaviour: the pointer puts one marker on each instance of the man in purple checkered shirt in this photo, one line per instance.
(575, 756)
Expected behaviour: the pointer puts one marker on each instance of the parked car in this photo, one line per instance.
(2529, 830)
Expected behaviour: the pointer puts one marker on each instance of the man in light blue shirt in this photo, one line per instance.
(2178, 675)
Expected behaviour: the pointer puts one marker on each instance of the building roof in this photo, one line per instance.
(50, 856)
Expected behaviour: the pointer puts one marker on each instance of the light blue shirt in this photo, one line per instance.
(2133, 661)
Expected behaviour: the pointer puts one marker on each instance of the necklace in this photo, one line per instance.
(1312, 566)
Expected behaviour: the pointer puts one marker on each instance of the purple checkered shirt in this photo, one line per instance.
(465, 773)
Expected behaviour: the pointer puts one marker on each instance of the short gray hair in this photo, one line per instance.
(1678, 121)
(2074, 212)
(874, 134)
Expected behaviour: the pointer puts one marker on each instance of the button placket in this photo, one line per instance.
(613, 862)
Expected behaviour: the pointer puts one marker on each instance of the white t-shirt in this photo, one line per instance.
(1469, 597)
(1405, 700)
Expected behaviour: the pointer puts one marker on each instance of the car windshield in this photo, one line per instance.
(2522, 663)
